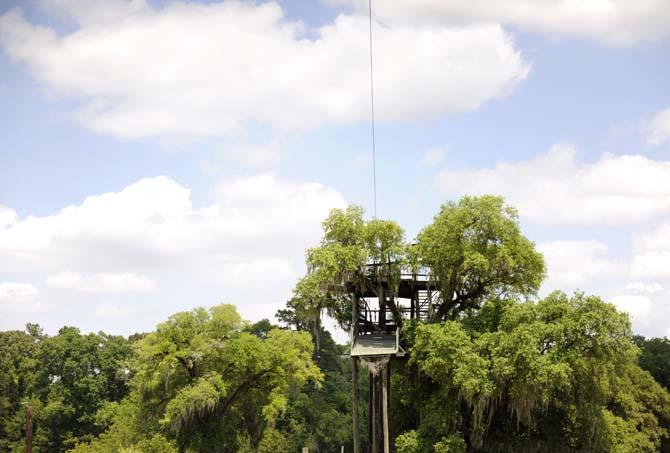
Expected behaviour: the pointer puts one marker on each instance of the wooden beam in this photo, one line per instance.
(371, 394)
(354, 376)
(354, 404)
(385, 407)
(374, 413)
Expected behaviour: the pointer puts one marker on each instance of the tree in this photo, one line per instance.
(350, 250)
(203, 382)
(475, 251)
(655, 358)
(18, 362)
(557, 375)
(76, 376)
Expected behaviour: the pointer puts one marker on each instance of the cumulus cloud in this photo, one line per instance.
(574, 263)
(652, 252)
(208, 70)
(554, 189)
(618, 22)
(16, 292)
(642, 287)
(637, 306)
(257, 225)
(658, 129)
(101, 282)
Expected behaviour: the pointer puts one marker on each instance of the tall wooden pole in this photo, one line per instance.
(369, 417)
(385, 407)
(29, 429)
(354, 404)
(373, 413)
(354, 377)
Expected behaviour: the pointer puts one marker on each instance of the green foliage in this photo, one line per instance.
(408, 442)
(66, 378)
(339, 264)
(320, 417)
(655, 358)
(451, 444)
(18, 362)
(566, 362)
(475, 251)
(203, 380)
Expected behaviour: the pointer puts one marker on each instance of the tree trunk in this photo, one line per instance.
(29, 429)
(317, 331)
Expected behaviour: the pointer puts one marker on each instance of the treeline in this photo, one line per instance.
(204, 380)
(159, 392)
(494, 369)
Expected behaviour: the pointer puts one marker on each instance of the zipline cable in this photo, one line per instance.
(372, 115)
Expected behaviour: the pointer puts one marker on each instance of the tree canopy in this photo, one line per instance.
(475, 250)
(557, 375)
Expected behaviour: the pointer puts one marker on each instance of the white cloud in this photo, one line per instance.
(257, 224)
(658, 129)
(112, 311)
(101, 282)
(206, 70)
(574, 263)
(553, 189)
(652, 264)
(7, 216)
(16, 292)
(639, 307)
(433, 156)
(652, 252)
(641, 287)
(619, 22)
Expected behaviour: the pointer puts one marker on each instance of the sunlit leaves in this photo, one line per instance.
(475, 250)
(571, 357)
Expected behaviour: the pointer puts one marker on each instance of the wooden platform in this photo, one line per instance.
(376, 344)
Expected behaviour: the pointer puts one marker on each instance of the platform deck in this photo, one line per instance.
(375, 344)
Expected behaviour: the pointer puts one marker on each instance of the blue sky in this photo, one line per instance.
(157, 156)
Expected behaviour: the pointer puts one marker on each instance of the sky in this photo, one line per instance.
(157, 156)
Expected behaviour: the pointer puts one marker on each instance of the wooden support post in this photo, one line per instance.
(371, 396)
(29, 429)
(354, 404)
(385, 407)
(375, 415)
(388, 380)
(354, 376)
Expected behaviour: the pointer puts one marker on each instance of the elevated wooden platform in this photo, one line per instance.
(376, 344)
